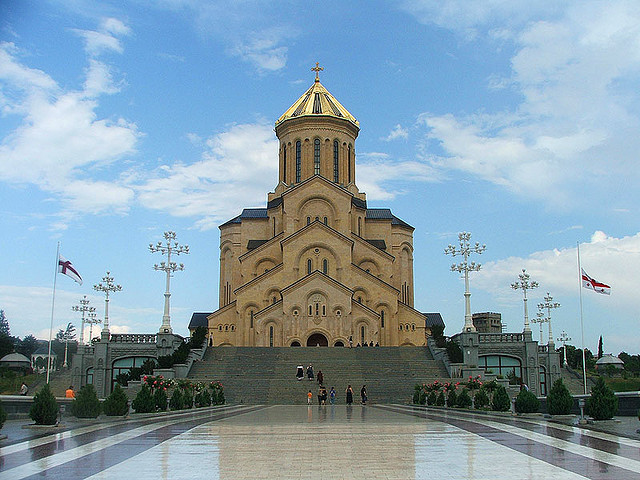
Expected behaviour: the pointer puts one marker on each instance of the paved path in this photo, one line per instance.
(339, 442)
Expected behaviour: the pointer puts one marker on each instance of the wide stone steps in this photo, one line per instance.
(267, 375)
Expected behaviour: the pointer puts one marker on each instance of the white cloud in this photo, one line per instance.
(397, 132)
(105, 39)
(574, 130)
(229, 176)
(61, 137)
(265, 51)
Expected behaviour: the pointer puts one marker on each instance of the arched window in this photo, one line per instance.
(298, 161)
(308, 266)
(324, 310)
(362, 332)
(400, 326)
(349, 165)
(382, 319)
(501, 365)
(233, 328)
(359, 226)
(316, 156)
(273, 300)
(310, 310)
(325, 266)
(317, 308)
(220, 327)
(284, 163)
(336, 175)
(325, 220)
(251, 319)
(271, 336)
(543, 380)
(308, 220)
(226, 328)
(413, 327)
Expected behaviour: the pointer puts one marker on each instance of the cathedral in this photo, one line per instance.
(316, 266)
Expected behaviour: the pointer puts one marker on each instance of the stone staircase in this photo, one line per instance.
(263, 375)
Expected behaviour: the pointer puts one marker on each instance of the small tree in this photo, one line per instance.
(603, 404)
(559, 400)
(176, 402)
(600, 352)
(44, 410)
(203, 399)
(143, 403)
(464, 400)
(481, 399)
(527, 402)
(501, 401)
(117, 403)
(160, 398)
(431, 399)
(198, 337)
(452, 398)
(440, 399)
(3, 416)
(86, 404)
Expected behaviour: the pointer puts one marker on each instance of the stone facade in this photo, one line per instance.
(316, 266)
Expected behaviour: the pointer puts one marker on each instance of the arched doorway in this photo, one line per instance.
(317, 339)
(295, 343)
(339, 343)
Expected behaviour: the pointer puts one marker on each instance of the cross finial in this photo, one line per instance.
(317, 69)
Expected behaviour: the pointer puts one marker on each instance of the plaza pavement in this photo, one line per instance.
(323, 442)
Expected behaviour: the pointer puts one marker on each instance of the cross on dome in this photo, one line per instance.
(317, 69)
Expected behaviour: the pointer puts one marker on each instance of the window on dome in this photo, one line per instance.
(316, 156)
(298, 161)
(335, 162)
(325, 266)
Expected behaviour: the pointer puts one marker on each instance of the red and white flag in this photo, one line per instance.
(66, 268)
(593, 284)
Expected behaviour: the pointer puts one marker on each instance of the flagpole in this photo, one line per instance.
(53, 302)
(584, 367)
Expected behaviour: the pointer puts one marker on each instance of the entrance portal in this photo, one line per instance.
(317, 339)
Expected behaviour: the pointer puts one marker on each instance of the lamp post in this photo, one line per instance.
(169, 247)
(84, 308)
(549, 304)
(465, 266)
(92, 320)
(107, 286)
(564, 338)
(524, 284)
(540, 319)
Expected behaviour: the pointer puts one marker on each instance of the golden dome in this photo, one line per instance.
(317, 101)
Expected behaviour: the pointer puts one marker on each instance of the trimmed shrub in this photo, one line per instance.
(3, 416)
(160, 398)
(203, 399)
(454, 352)
(177, 401)
(117, 403)
(603, 404)
(527, 402)
(559, 400)
(464, 400)
(417, 394)
(217, 394)
(431, 399)
(86, 404)
(452, 399)
(143, 403)
(44, 410)
(481, 399)
(501, 401)
(440, 399)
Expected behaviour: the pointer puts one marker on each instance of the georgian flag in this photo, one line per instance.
(66, 268)
(593, 284)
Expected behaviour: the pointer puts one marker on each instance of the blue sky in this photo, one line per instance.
(517, 121)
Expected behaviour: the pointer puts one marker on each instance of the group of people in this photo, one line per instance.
(364, 344)
(323, 395)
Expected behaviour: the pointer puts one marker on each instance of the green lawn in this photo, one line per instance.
(623, 385)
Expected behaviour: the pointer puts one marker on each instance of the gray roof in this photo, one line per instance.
(44, 350)
(251, 244)
(15, 357)
(434, 319)
(607, 359)
(377, 243)
(248, 213)
(199, 319)
(385, 214)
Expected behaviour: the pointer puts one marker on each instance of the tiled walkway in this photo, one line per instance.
(339, 442)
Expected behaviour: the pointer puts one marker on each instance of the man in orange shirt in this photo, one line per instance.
(70, 393)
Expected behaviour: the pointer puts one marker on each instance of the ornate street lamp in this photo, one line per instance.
(84, 308)
(107, 286)
(540, 319)
(524, 284)
(549, 304)
(564, 338)
(92, 320)
(465, 266)
(168, 248)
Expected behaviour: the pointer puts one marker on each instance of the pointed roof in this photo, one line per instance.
(317, 101)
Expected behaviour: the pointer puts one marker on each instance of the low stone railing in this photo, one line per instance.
(500, 337)
(133, 338)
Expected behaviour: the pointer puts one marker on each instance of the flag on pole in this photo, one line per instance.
(593, 284)
(65, 267)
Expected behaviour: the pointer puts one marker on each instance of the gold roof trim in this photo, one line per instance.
(317, 101)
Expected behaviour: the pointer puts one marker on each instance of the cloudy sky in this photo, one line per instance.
(517, 121)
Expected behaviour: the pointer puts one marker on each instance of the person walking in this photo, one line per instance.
(349, 393)
(309, 397)
(299, 372)
(363, 394)
(310, 372)
(320, 377)
(324, 396)
(350, 341)
(332, 396)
